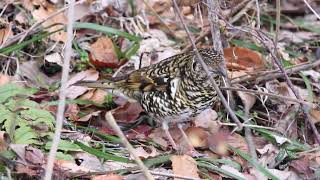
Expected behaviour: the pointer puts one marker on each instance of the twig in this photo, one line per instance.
(62, 94)
(258, 14)
(276, 38)
(173, 175)
(276, 73)
(270, 95)
(205, 67)
(198, 39)
(242, 12)
(126, 143)
(246, 125)
(309, 6)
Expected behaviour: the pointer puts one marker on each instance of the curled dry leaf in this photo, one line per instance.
(72, 112)
(71, 166)
(239, 58)
(184, 165)
(102, 53)
(128, 112)
(198, 137)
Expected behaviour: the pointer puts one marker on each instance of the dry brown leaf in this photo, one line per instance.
(75, 91)
(4, 79)
(5, 32)
(4, 141)
(95, 95)
(218, 142)
(60, 20)
(184, 165)
(102, 53)
(71, 166)
(72, 112)
(107, 177)
(128, 112)
(315, 114)
(247, 99)
(198, 137)
(146, 152)
(206, 119)
(239, 58)
(89, 116)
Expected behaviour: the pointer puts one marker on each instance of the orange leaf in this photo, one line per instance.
(239, 58)
(102, 53)
(184, 165)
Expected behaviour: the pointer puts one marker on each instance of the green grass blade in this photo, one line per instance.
(36, 37)
(255, 164)
(107, 30)
(214, 168)
(101, 154)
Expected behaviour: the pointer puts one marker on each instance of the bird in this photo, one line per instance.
(173, 90)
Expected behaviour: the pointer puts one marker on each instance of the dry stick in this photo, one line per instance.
(213, 6)
(205, 67)
(278, 13)
(173, 176)
(270, 95)
(111, 121)
(276, 73)
(258, 14)
(309, 6)
(62, 94)
(246, 125)
(305, 108)
(242, 12)
(198, 39)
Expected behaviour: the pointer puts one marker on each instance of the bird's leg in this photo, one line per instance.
(165, 127)
(185, 137)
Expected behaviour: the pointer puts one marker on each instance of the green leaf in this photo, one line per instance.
(246, 44)
(11, 90)
(132, 50)
(255, 164)
(64, 146)
(307, 82)
(63, 156)
(101, 154)
(38, 116)
(25, 135)
(106, 29)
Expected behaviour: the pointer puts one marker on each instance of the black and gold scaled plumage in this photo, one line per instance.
(174, 89)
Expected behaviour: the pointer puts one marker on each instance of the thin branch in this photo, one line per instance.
(309, 6)
(270, 95)
(258, 14)
(276, 38)
(125, 142)
(173, 175)
(265, 76)
(62, 94)
(205, 67)
(247, 125)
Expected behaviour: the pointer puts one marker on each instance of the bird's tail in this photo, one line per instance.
(96, 84)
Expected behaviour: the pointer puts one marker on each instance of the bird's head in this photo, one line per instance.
(213, 60)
